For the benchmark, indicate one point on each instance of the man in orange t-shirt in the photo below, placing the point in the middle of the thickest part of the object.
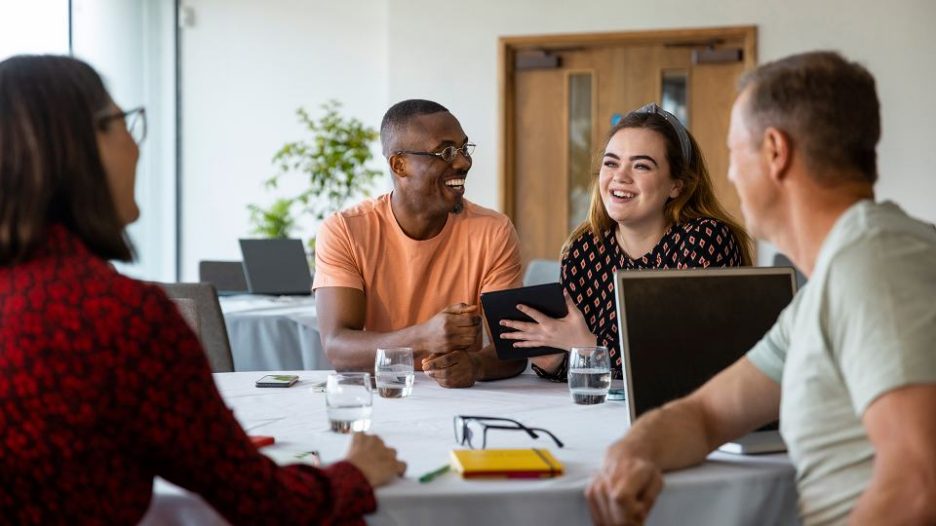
(407, 269)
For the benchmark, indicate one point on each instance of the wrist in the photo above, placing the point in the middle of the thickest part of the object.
(419, 340)
(476, 365)
(585, 340)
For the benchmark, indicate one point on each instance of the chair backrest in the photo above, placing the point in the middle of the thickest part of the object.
(780, 260)
(226, 276)
(540, 271)
(209, 324)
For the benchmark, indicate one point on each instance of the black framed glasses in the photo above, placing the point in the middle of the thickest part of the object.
(134, 119)
(472, 430)
(447, 154)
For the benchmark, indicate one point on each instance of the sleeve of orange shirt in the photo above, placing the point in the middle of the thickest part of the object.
(504, 271)
(335, 264)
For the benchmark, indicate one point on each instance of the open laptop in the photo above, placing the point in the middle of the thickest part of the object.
(678, 328)
(276, 266)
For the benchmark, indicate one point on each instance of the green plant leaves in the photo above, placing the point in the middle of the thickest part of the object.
(332, 160)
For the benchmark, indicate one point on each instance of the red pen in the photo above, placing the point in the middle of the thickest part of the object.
(260, 441)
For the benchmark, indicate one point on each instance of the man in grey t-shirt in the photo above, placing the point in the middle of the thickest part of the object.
(850, 366)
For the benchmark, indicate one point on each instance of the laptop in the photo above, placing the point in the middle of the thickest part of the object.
(679, 328)
(276, 266)
(226, 276)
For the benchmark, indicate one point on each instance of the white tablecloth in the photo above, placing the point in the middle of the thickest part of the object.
(269, 333)
(725, 490)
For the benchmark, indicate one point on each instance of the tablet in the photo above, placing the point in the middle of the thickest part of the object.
(502, 305)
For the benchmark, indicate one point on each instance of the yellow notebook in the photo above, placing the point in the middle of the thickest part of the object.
(506, 463)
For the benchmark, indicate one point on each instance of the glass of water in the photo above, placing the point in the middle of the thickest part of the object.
(589, 375)
(349, 399)
(394, 371)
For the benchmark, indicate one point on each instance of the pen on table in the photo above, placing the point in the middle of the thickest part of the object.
(429, 477)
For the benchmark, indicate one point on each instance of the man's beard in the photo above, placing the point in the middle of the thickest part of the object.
(459, 206)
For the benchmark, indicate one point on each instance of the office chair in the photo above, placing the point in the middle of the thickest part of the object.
(198, 304)
(540, 271)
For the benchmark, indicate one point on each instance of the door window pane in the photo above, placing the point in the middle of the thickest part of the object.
(675, 94)
(579, 146)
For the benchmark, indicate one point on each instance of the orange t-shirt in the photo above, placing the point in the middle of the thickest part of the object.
(407, 281)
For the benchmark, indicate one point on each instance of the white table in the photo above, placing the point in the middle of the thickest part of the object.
(725, 490)
(269, 333)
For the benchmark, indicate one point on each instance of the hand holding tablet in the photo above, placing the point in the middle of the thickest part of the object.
(543, 317)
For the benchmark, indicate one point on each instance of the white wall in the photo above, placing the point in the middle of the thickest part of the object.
(246, 67)
(451, 57)
(38, 26)
(131, 44)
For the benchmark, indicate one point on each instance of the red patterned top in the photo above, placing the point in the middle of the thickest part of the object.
(588, 273)
(103, 386)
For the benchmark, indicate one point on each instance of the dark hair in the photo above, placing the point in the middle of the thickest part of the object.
(399, 114)
(695, 200)
(50, 169)
(828, 106)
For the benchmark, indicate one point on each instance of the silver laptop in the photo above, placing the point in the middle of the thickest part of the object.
(276, 266)
(678, 328)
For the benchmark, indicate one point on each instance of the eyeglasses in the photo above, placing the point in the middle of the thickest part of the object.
(447, 154)
(468, 429)
(135, 120)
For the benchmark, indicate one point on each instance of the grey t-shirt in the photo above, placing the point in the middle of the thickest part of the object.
(865, 324)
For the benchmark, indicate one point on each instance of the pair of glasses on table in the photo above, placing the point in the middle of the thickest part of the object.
(472, 431)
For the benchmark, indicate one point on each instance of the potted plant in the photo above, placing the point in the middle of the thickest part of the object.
(333, 160)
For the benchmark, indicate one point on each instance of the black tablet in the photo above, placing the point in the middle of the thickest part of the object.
(502, 304)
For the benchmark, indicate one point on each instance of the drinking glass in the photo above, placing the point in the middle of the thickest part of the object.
(394, 371)
(589, 375)
(349, 398)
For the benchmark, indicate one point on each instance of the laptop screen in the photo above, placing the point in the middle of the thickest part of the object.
(679, 328)
(276, 266)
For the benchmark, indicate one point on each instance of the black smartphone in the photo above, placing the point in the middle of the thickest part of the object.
(277, 380)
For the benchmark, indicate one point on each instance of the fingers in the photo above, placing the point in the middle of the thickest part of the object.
(598, 506)
(460, 308)
(570, 305)
(650, 495)
(530, 343)
(441, 361)
(400, 468)
(451, 370)
(537, 316)
(522, 326)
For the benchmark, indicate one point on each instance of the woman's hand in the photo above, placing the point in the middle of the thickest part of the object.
(561, 333)
(377, 462)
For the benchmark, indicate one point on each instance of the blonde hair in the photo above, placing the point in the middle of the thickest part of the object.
(695, 200)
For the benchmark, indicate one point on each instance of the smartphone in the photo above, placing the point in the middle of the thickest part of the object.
(277, 380)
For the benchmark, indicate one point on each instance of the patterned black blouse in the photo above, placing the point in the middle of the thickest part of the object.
(588, 273)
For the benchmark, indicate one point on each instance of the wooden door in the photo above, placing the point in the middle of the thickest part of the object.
(547, 172)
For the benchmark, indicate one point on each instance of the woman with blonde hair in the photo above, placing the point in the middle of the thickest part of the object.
(652, 207)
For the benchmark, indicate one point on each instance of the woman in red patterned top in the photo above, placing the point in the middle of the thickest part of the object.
(103, 384)
(652, 207)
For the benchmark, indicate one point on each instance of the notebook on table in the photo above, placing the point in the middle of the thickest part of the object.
(679, 328)
(506, 463)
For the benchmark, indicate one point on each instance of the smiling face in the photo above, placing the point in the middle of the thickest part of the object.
(634, 179)
(435, 185)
